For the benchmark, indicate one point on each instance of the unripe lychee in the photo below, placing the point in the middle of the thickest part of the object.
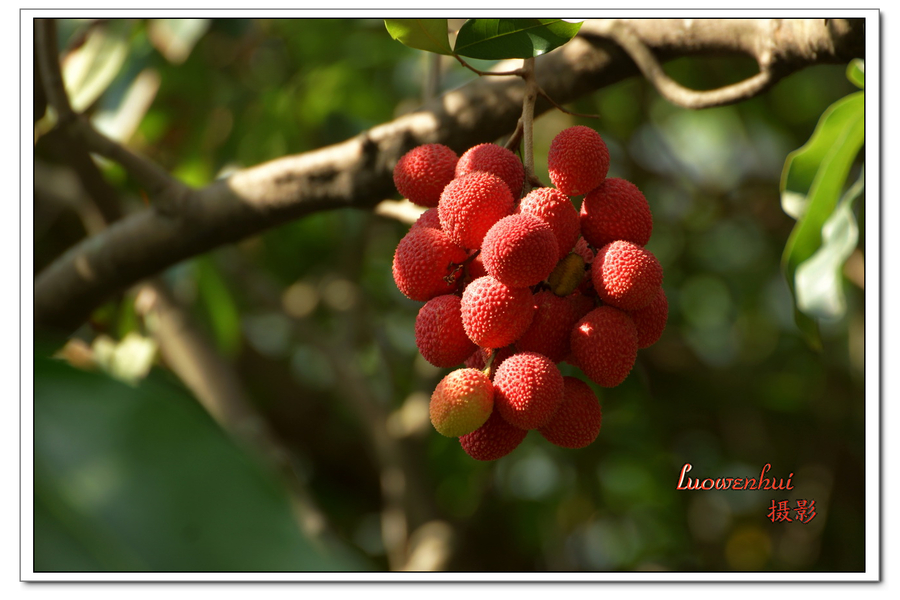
(605, 345)
(567, 275)
(626, 275)
(577, 420)
(495, 159)
(528, 388)
(421, 174)
(551, 327)
(426, 264)
(557, 210)
(616, 210)
(495, 439)
(440, 336)
(651, 320)
(519, 250)
(461, 402)
(495, 315)
(578, 160)
(471, 204)
(429, 218)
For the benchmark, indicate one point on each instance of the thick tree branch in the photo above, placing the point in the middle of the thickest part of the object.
(357, 173)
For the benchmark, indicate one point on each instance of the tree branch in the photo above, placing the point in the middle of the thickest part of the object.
(358, 173)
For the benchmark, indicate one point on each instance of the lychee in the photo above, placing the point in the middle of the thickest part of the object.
(616, 210)
(429, 218)
(557, 210)
(519, 250)
(578, 160)
(651, 320)
(626, 275)
(528, 388)
(440, 336)
(495, 159)
(577, 420)
(495, 439)
(461, 402)
(426, 264)
(421, 174)
(604, 345)
(471, 204)
(554, 318)
(495, 315)
(479, 359)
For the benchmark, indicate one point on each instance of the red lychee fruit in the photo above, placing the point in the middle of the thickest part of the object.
(479, 358)
(421, 174)
(604, 345)
(461, 402)
(550, 330)
(440, 336)
(584, 251)
(495, 315)
(528, 388)
(626, 275)
(577, 420)
(429, 218)
(519, 250)
(651, 320)
(426, 264)
(495, 159)
(471, 204)
(495, 439)
(616, 210)
(557, 210)
(578, 160)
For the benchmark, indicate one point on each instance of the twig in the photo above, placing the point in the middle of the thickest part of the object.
(516, 72)
(527, 120)
(622, 33)
(563, 109)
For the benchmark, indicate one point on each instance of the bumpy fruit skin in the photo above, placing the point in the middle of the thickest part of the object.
(604, 345)
(461, 402)
(425, 264)
(577, 420)
(616, 210)
(421, 174)
(429, 218)
(551, 327)
(528, 388)
(495, 439)
(626, 275)
(519, 250)
(578, 160)
(440, 336)
(557, 210)
(584, 251)
(495, 315)
(470, 205)
(651, 320)
(479, 358)
(495, 159)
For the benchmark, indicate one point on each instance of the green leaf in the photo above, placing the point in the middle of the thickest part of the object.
(856, 72)
(223, 313)
(495, 39)
(422, 34)
(824, 162)
(819, 280)
(141, 479)
(803, 165)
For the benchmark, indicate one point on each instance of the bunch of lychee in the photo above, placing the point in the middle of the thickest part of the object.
(515, 285)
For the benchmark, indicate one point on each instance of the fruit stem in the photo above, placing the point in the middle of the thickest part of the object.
(531, 93)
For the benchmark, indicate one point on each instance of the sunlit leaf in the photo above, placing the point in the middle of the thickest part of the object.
(90, 69)
(494, 39)
(827, 168)
(803, 165)
(819, 280)
(856, 72)
(175, 38)
(422, 34)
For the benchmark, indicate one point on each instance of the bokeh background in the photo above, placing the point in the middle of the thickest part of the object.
(305, 324)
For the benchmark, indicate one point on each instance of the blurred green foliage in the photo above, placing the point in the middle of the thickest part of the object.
(309, 318)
